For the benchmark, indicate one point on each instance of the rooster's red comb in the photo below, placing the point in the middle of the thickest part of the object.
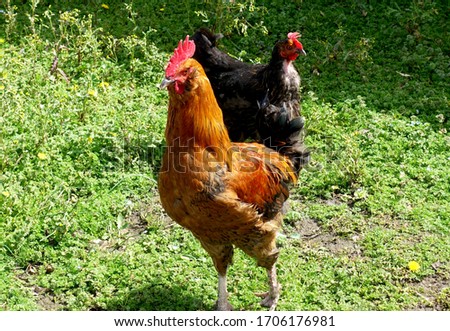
(184, 51)
(294, 37)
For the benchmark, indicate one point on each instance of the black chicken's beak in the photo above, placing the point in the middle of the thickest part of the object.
(301, 52)
(166, 82)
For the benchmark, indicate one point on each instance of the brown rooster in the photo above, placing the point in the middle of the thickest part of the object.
(227, 194)
(260, 102)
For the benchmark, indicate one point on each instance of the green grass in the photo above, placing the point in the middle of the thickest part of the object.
(81, 227)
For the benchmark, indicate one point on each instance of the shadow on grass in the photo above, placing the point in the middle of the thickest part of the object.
(158, 297)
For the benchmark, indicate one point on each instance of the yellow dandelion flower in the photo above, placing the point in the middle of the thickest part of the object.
(6, 194)
(2, 40)
(103, 85)
(162, 9)
(413, 266)
(42, 156)
(92, 93)
(2, 87)
(90, 140)
(104, 5)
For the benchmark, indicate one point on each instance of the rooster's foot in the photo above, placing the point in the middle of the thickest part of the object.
(270, 299)
(223, 306)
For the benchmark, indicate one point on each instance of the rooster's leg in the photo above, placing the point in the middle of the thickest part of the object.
(270, 299)
(222, 256)
(222, 302)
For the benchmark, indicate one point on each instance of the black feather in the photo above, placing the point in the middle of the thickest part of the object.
(260, 102)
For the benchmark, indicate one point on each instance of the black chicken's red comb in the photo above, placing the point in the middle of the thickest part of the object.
(184, 51)
(294, 37)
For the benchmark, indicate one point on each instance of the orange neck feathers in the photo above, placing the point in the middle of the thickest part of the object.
(195, 119)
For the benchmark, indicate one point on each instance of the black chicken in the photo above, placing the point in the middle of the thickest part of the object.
(259, 101)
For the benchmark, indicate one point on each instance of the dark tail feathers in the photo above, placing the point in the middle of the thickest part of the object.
(210, 56)
(205, 42)
(279, 131)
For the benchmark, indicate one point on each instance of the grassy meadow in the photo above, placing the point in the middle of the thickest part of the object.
(82, 133)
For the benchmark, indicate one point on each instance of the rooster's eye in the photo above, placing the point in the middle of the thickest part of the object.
(289, 47)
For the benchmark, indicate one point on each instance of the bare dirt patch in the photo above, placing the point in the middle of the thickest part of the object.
(313, 237)
(434, 289)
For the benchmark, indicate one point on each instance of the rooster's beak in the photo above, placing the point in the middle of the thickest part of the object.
(301, 52)
(166, 82)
